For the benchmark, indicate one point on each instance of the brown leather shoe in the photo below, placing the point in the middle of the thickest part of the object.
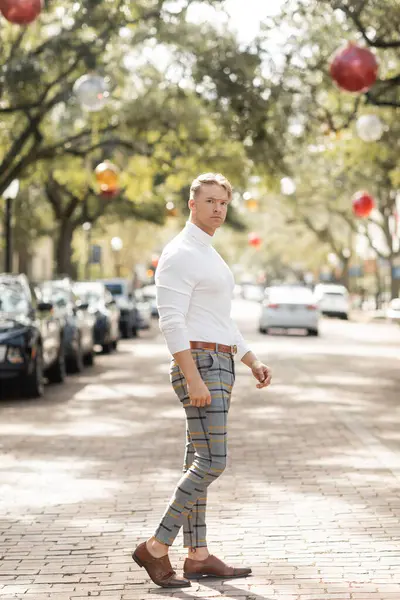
(158, 569)
(212, 567)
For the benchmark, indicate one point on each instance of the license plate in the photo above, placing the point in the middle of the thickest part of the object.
(3, 350)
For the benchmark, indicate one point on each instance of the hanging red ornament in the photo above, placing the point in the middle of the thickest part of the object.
(362, 204)
(154, 260)
(107, 176)
(254, 240)
(21, 12)
(354, 69)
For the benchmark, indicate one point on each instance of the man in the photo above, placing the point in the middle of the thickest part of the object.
(194, 292)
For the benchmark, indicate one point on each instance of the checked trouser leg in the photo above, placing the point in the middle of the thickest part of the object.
(194, 524)
(205, 461)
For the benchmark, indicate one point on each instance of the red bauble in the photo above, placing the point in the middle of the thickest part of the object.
(362, 203)
(354, 69)
(20, 12)
(254, 239)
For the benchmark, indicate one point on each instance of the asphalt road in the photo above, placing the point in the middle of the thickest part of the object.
(310, 498)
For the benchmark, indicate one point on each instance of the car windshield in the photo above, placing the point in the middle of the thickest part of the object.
(89, 295)
(116, 289)
(13, 299)
(56, 295)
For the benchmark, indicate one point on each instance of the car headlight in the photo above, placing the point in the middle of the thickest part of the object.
(14, 355)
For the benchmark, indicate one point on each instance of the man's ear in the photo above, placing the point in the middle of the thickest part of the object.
(191, 204)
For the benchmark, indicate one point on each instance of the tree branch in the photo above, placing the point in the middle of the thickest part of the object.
(377, 42)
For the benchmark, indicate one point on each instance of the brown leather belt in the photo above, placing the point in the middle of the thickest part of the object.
(214, 347)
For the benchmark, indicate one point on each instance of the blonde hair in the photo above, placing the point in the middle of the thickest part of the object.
(207, 179)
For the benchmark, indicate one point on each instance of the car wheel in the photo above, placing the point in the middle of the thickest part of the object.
(125, 331)
(75, 363)
(33, 384)
(313, 332)
(262, 330)
(88, 359)
(107, 347)
(56, 373)
(114, 344)
(134, 332)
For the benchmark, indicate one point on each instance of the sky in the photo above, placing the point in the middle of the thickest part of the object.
(245, 15)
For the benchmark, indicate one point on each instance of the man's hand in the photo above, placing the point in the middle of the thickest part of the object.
(199, 393)
(262, 373)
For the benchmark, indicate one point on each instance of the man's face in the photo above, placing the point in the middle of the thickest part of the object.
(210, 206)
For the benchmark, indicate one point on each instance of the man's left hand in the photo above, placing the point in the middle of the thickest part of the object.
(262, 373)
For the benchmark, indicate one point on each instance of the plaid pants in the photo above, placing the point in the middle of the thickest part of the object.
(206, 448)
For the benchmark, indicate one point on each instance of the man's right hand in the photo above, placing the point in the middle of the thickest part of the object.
(199, 393)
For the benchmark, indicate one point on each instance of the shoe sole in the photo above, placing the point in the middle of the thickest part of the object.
(141, 565)
(205, 576)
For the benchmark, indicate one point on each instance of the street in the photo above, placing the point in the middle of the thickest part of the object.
(310, 498)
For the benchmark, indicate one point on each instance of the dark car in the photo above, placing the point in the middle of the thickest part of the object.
(31, 343)
(101, 303)
(77, 322)
(128, 313)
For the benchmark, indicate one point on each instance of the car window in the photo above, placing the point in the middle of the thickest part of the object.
(13, 298)
(116, 289)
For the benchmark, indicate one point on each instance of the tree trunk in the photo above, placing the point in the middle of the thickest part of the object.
(64, 264)
(24, 261)
(344, 276)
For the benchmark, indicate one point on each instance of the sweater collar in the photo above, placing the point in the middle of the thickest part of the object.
(198, 234)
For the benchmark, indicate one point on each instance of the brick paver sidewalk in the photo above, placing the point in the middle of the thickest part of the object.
(310, 498)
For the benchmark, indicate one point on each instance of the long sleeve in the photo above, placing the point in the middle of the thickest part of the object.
(242, 346)
(174, 285)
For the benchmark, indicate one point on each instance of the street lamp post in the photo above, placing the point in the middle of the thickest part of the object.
(9, 195)
(87, 227)
(116, 246)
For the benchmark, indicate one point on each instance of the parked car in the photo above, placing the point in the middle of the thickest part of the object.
(121, 291)
(77, 321)
(143, 310)
(149, 295)
(393, 310)
(289, 307)
(31, 342)
(104, 307)
(333, 300)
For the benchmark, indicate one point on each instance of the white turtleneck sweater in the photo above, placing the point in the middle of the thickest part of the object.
(194, 293)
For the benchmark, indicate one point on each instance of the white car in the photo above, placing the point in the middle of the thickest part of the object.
(149, 294)
(333, 300)
(289, 307)
(393, 310)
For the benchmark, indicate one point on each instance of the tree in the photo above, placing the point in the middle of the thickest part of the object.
(174, 125)
(323, 153)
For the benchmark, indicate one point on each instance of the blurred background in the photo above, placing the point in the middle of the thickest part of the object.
(110, 108)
